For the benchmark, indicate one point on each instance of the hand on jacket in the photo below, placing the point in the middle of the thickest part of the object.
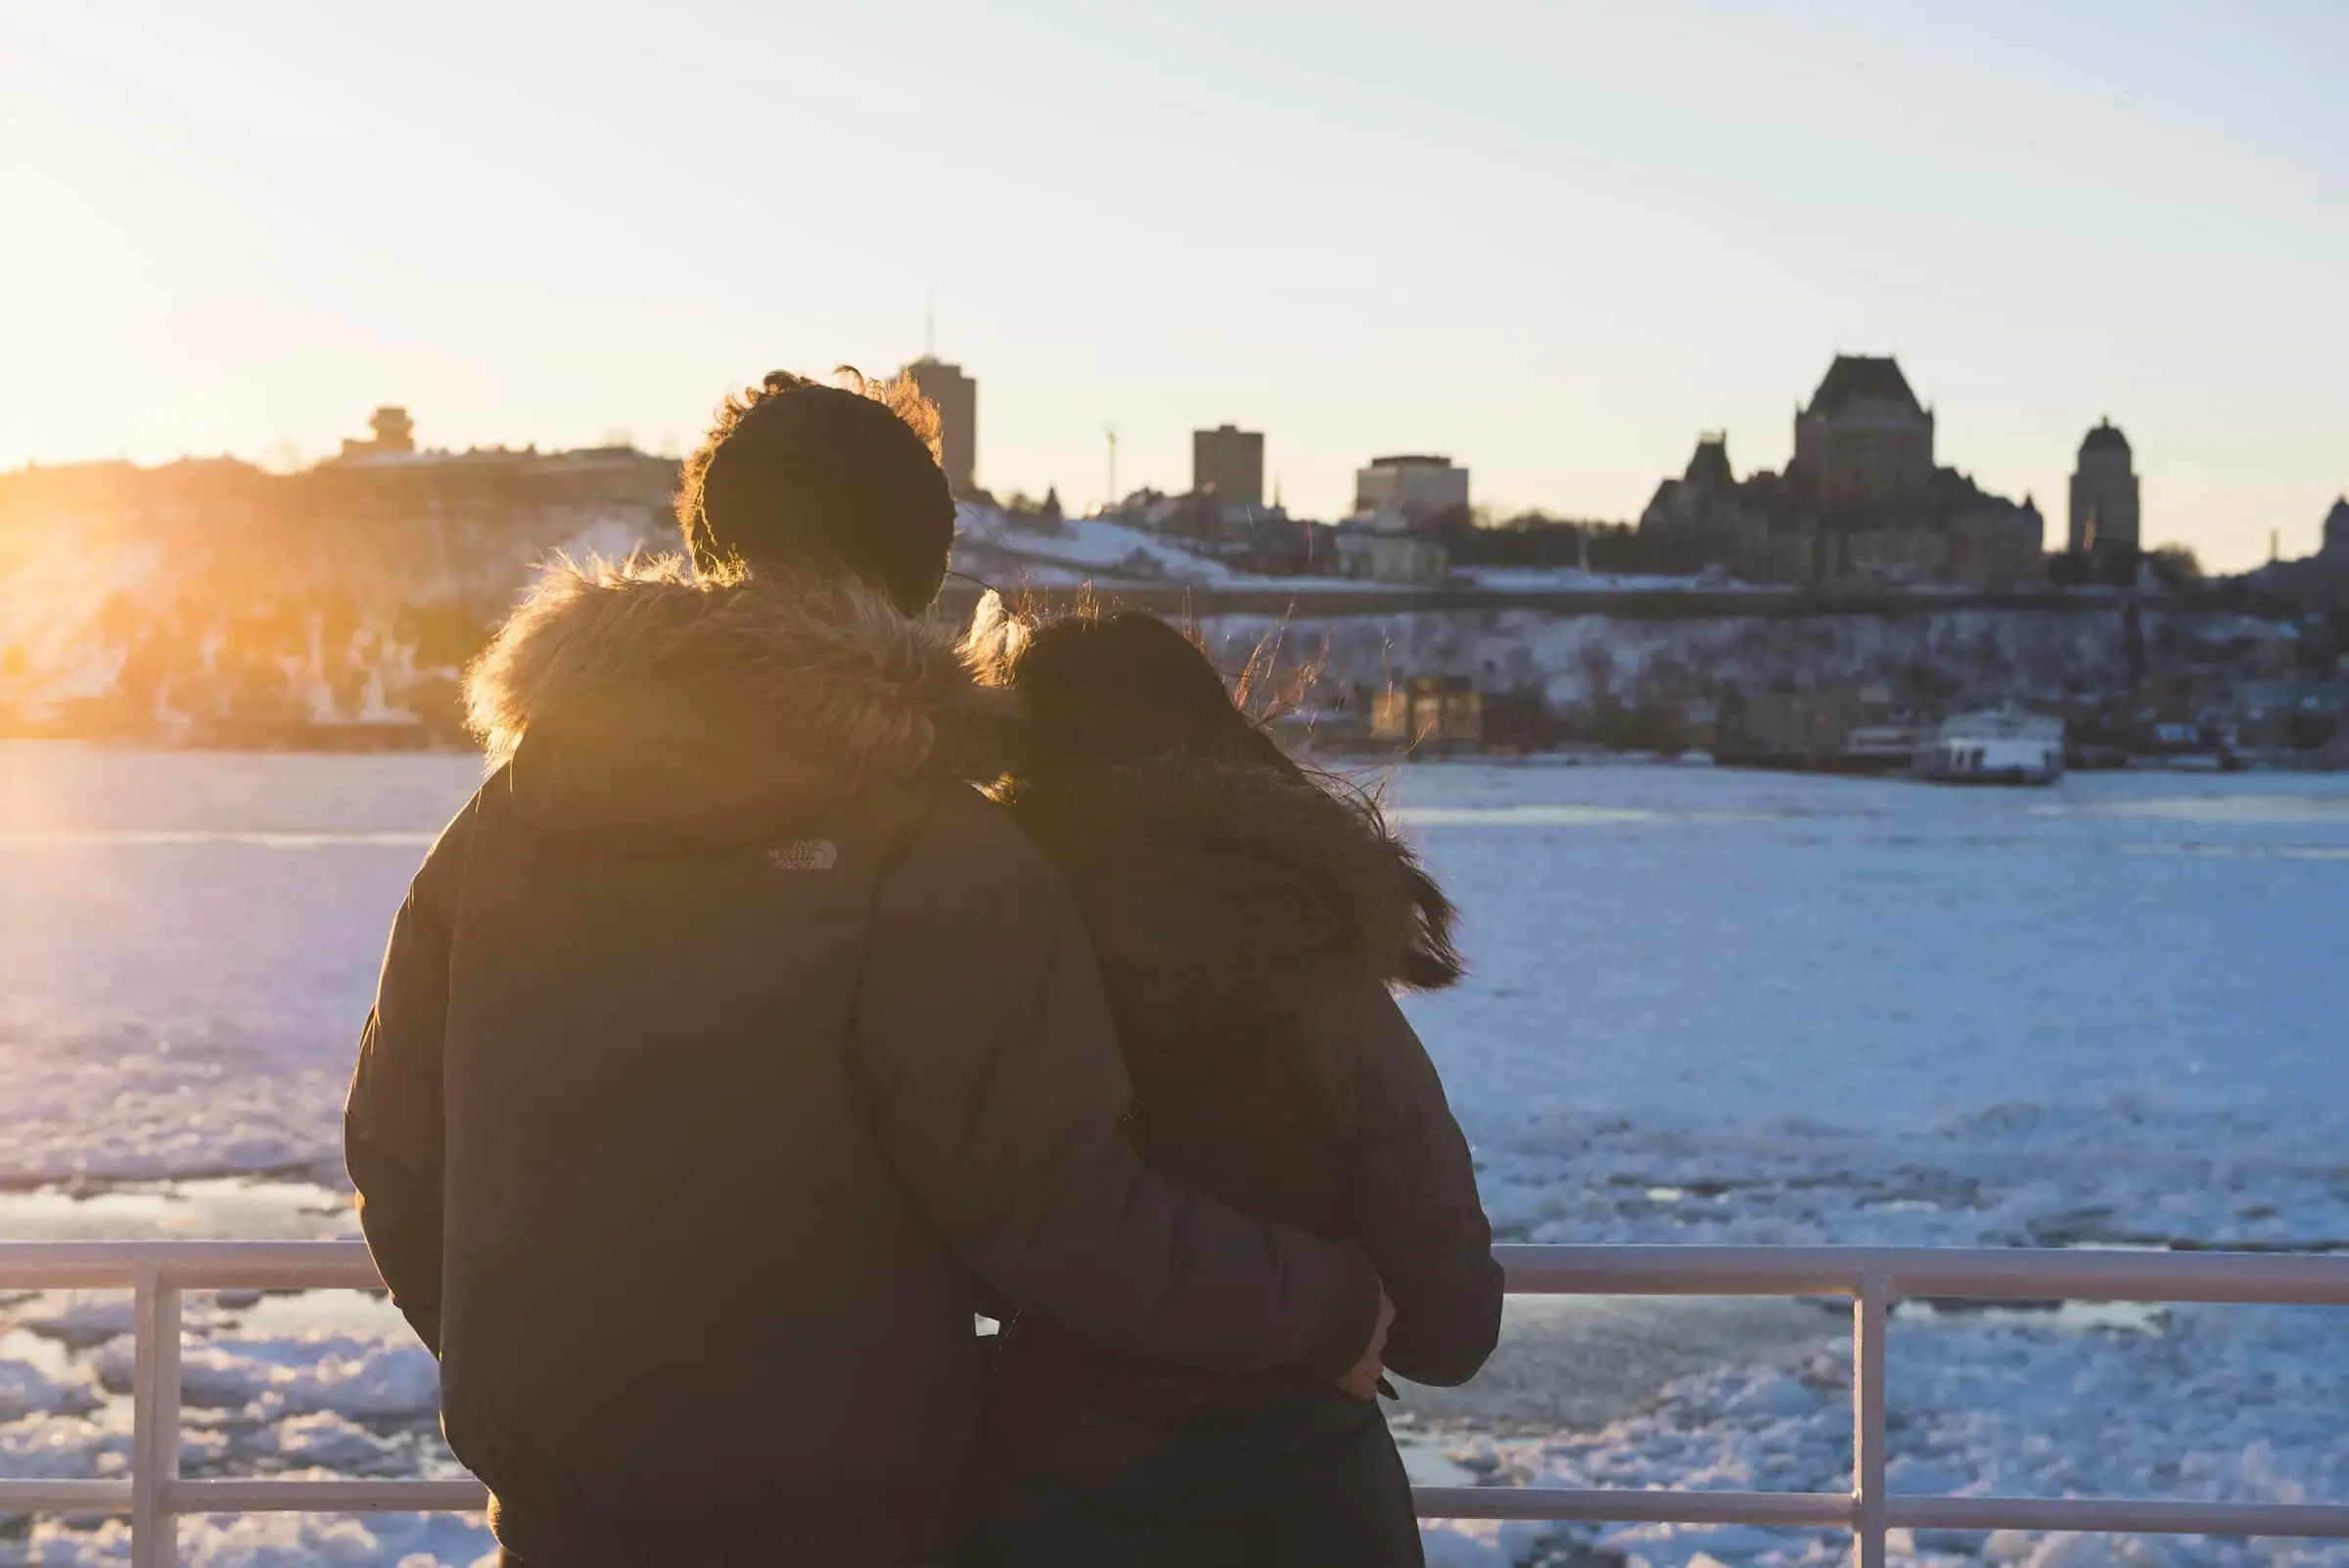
(1362, 1382)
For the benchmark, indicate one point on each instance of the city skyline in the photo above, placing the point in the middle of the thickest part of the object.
(1555, 247)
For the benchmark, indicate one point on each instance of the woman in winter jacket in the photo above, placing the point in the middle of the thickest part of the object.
(1249, 920)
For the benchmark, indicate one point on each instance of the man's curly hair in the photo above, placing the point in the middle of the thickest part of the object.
(898, 394)
(810, 475)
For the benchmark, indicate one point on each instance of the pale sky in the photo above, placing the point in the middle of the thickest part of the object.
(1553, 241)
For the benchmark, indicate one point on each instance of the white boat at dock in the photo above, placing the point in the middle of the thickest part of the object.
(2000, 747)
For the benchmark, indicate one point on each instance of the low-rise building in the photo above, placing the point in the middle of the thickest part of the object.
(1415, 487)
(1384, 548)
(1901, 550)
(1805, 728)
(391, 434)
(1430, 713)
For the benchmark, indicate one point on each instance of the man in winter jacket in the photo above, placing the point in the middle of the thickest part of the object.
(729, 1050)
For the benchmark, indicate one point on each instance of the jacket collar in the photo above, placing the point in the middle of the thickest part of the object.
(828, 675)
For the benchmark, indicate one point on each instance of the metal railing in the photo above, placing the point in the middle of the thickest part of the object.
(154, 1493)
(1874, 1277)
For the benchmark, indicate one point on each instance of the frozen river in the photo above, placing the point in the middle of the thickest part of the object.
(1850, 1010)
(1707, 1006)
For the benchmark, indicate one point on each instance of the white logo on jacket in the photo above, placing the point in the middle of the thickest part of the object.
(805, 855)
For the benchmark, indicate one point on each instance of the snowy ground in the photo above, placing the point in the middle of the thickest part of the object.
(1708, 1007)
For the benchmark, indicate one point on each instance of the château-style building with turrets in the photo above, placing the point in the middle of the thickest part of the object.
(1862, 498)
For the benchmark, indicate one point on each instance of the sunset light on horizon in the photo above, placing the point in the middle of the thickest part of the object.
(1554, 243)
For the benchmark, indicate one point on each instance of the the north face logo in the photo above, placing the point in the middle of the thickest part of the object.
(805, 855)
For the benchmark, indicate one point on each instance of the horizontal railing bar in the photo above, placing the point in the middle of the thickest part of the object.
(1624, 1506)
(65, 1497)
(188, 1265)
(317, 1496)
(1978, 1273)
(1798, 1509)
(267, 1495)
(1837, 1510)
(2133, 1516)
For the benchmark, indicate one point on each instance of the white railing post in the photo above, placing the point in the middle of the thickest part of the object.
(154, 1425)
(1870, 1506)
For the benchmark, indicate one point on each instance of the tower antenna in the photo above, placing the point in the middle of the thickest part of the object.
(1111, 431)
(930, 330)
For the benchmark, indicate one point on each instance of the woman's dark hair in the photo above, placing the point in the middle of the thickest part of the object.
(1105, 690)
(1108, 690)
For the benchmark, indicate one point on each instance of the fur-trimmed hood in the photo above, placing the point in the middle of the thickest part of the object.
(752, 686)
(1240, 876)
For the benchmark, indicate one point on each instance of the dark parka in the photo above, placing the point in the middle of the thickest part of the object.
(728, 1051)
(1249, 925)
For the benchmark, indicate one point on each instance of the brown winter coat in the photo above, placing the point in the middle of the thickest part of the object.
(1248, 924)
(728, 1051)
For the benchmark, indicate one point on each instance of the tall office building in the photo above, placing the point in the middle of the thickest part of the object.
(1230, 462)
(955, 396)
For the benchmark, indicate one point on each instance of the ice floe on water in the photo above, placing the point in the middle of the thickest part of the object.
(2208, 1405)
(377, 1377)
(26, 1390)
(133, 1102)
(1707, 1007)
